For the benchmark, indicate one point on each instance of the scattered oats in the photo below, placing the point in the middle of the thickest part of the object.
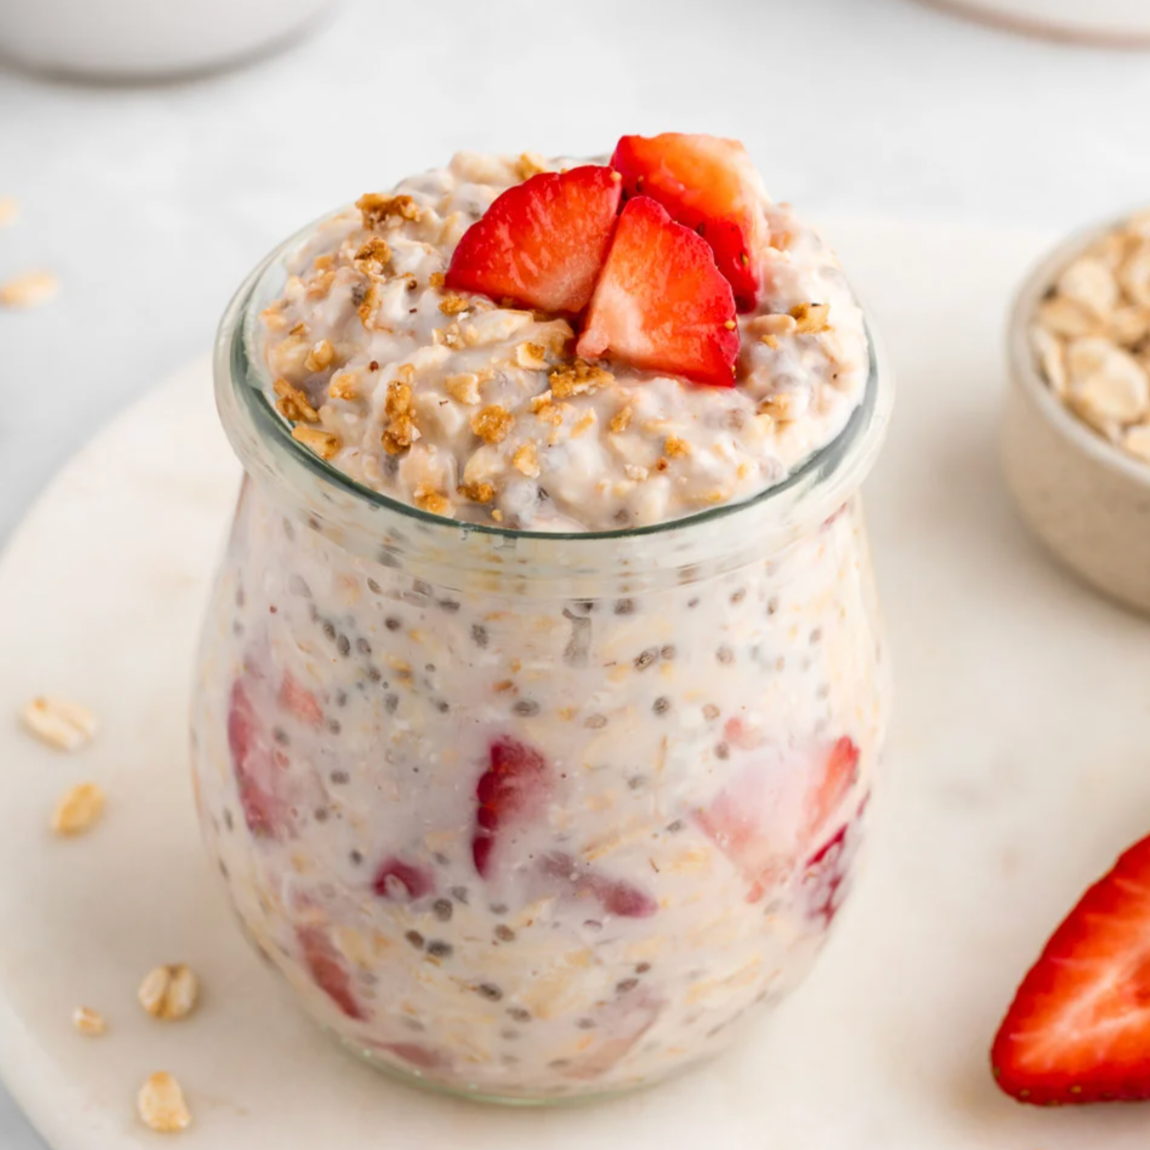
(463, 388)
(454, 304)
(477, 492)
(373, 256)
(586, 422)
(161, 1105)
(377, 209)
(526, 461)
(1129, 325)
(1137, 442)
(676, 448)
(323, 443)
(529, 164)
(401, 431)
(1134, 274)
(273, 318)
(811, 318)
(77, 809)
(1090, 283)
(1107, 385)
(579, 378)
(531, 356)
(292, 404)
(782, 406)
(9, 210)
(368, 306)
(435, 502)
(28, 290)
(321, 285)
(1051, 359)
(59, 723)
(621, 420)
(323, 263)
(169, 992)
(492, 423)
(88, 1021)
(344, 386)
(437, 279)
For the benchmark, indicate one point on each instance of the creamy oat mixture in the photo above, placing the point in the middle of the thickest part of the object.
(1091, 337)
(482, 413)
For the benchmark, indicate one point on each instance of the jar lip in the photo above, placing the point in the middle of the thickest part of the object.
(235, 364)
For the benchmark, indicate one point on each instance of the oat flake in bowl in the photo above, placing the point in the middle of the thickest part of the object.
(543, 687)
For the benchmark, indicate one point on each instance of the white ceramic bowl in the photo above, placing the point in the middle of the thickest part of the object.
(1111, 21)
(147, 39)
(1084, 497)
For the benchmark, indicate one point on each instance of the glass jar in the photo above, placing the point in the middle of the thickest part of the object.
(530, 816)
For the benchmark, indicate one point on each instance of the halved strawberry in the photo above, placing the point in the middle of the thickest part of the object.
(326, 967)
(839, 774)
(1079, 1027)
(709, 186)
(515, 786)
(398, 880)
(660, 303)
(733, 822)
(613, 895)
(542, 242)
(258, 767)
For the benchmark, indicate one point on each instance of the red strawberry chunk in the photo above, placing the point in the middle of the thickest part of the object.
(401, 881)
(514, 788)
(733, 822)
(1079, 1027)
(660, 303)
(257, 766)
(542, 242)
(298, 700)
(708, 185)
(421, 1057)
(325, 965)
(612, 894)
(839, 775)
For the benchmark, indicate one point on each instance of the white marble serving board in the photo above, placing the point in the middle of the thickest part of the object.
(1017, 771)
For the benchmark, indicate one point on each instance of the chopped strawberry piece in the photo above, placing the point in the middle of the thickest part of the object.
(1079, 1027)
(514, 788)
(398, 880)
(660, 303)
(733, 822)
(257, 767)
(839, 775)
(708, 185)
(326, 967)
(421, 1057)
(542, 242)
(613, 895)
(300, 701)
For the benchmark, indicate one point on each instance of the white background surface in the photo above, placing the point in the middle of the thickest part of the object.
(150, 203)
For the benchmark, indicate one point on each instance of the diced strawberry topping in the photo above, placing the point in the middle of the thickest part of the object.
(660, 303)
(326, 967)
(613, 895)
(257, 767)
(401, 881)
(542, 242)
(514, 788)
(839, 775)
(708, 185)
(1079, 1027)
(733, 822)
(300, 701)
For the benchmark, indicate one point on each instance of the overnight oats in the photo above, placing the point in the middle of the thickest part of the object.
(543, 684)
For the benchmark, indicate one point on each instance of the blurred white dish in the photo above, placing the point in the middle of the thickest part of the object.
(1114, 21)
(146, 39)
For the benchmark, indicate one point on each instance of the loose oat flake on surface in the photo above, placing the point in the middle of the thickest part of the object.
(9, 210)
(78, 809)
(161, 1104)
(61, 724)
(28, 290)
(169, 992)
(88, 1021)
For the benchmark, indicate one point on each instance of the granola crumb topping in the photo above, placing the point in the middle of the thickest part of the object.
(676, 448)
(578, 378)
(379, 209)
(292, 404)
(323, 443)
(621, 420)
(78, 809)
(430, 500)
(526, 460)
(62, 724)
(161, 1104)
(454, 304)
(463, 388)
(492, 423)
(811, 318)
(401, 431)
(531, 356)
(477, 492)
(373, 256)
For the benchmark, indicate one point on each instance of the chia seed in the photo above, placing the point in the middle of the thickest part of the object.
(415, 938)
(479, 634)
(391, 704)
(526, 708)
(459, 893)
(448, 605)
(343, 645)
(646, 658)
(489, 991)
(642, 968)
(772, 606)
(675, 827)
(586, 1024)
(340, 778)
(668, 652)
(661, 705)
(519, 1014)
(334, 726)
(374, 674)
(710, 712)
(739, 595)
(321, 814)
(437, 948)
(627, 985)
(341, 698)
(442, 909)
(363, 646)
(281, 736)
(595, 722)
(722, 751)
(624, 606)
(725, 655)
(637, 782)
(504, 933)
(328, 631)
(443, 707)
(392, 623)
(693, 603)
(374, 587)
(356, 858)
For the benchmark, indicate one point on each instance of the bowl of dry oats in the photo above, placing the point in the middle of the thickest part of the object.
(1076, 432)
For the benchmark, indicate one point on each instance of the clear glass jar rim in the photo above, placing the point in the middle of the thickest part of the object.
(847, 457)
